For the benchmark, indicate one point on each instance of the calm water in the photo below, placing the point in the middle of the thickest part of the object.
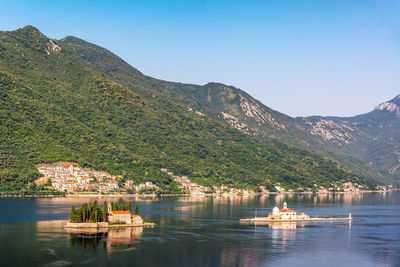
(206, 232)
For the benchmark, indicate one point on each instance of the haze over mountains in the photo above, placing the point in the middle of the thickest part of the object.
(71, 100)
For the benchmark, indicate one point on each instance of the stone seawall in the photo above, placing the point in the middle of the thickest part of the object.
(99, 225)
(86, 225)
(266, 219)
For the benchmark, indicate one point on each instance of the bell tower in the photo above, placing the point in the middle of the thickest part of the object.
(284, 205)
(109, 211)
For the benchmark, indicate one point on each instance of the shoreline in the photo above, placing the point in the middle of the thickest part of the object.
(29, 196)
(6, 195)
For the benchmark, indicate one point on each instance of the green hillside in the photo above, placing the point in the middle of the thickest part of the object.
(54, 106)
(223, 103)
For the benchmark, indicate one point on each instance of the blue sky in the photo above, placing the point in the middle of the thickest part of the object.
(298, 57)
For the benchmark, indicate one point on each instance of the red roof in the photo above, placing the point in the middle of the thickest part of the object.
(286, 210)
(121, 212)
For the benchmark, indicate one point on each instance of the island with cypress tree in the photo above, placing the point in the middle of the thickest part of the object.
(112, 214)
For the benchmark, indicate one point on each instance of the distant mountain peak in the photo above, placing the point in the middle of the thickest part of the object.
(395, 100)
(29, 30)
(32, 38)
(390, 106)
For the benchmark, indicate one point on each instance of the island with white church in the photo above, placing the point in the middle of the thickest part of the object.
(289, 215)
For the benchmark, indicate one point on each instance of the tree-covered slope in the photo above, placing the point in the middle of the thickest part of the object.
(226, 104)
(56, 107)
(373, 137)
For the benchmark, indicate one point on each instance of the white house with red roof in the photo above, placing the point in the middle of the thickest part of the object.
(69, 168)
(69, 185)
(79, 172)
(112, 186)
(122, 216)
(128, 183)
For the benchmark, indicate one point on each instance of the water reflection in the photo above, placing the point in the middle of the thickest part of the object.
(283, 234)
(282, 225)
(264, 201)
(108, 239)
(124, 236)
(91, 238)
(276, 225)
(205, 231)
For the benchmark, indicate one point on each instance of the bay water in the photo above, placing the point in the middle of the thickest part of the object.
(205, 231)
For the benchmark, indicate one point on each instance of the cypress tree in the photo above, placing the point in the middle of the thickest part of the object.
(129, 206)
(90, 211)
(72, 214)
(136, 209)
(85, 209)
(78, 216)
(99, 215)
(95, 211)
(104, 212)
(91, 214)
(114, 206)
(83, 212)
(121, 206)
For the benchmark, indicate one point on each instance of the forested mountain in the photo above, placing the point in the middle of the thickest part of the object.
(373, 137)
(366, 144)
(67, 100)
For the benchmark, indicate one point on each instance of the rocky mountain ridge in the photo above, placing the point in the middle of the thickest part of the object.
(363, 143)
(390, 106)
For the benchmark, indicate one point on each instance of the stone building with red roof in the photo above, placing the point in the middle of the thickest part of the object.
(122, 216)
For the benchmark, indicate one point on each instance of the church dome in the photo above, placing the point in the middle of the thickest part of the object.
(275, 210)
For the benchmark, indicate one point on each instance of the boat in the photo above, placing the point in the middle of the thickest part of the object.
(289, 215)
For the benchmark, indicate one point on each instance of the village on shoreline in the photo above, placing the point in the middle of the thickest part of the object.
(68, 178)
